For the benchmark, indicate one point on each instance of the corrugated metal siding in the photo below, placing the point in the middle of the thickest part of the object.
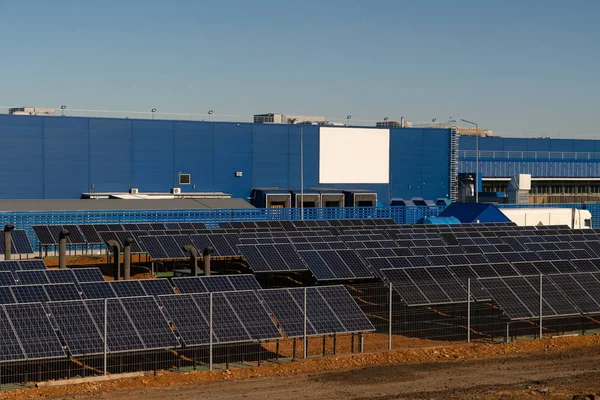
(71, 155)
(193, 153)
(506, 157)
(153, 164)
(66, 162)
(22, 158)
(110, 154)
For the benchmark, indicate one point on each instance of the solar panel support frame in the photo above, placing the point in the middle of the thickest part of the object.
(468, 310)
(105, 335)
(210, 332)
(390, 317)
(304, 319)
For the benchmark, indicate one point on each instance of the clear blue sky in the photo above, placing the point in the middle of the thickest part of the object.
(513, 66)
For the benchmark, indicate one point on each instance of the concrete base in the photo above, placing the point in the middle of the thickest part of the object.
(101, 378)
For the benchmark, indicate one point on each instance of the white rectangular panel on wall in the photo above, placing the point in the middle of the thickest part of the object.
(354, 155)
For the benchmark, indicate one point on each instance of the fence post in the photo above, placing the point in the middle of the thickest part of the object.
(105, 333)
(390, 319)
(541, 307)
(468, 310)
(210, 330)
(304, 339)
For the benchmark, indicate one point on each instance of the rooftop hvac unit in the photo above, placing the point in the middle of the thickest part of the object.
(176, 190)
(134, 191)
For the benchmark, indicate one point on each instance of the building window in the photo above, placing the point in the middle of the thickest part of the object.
(185, 179)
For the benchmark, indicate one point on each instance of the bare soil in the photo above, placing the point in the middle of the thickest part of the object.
(544, 369)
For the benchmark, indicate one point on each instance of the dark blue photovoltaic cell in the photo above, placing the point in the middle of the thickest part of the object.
(6, 296)
(35, 277)
(77, 327)
(157, 287)
(189, 285)
(26, 265)
(62, 292)
(253, 315)
(345, 308)
(88, 275)
(244, 282)
(29, 293)
(121, 334)
(60, 276)
(35, 333)
(227, 327)
(127, 288)
(150, 322)
(9, 344)
(185, 315)
(217, 283)
(97, 290)
(7, 278)
(320, 315)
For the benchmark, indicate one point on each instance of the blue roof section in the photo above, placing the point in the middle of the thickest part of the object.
(431, 220)
(468, 213)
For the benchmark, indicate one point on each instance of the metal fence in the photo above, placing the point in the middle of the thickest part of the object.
(397, 326)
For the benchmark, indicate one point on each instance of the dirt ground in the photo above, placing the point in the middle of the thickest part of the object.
(559, 368)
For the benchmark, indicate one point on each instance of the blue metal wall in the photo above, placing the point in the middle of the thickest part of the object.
(62, 157)
(506, 157)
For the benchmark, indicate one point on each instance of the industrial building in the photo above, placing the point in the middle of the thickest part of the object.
(72, 157)
(562, 170)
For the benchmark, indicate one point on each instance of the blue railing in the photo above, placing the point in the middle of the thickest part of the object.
(401, 215)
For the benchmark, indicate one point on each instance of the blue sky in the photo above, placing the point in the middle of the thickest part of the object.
(513, 66)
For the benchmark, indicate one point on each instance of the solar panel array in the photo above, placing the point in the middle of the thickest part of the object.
(34, 330)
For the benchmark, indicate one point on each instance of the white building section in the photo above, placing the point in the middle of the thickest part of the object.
(354, 155)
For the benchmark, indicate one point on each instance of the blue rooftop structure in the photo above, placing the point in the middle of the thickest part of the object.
(468, 213)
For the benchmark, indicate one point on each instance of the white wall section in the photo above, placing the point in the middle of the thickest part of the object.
(354, 155)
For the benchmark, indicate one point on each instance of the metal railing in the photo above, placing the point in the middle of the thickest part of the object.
(528, 155)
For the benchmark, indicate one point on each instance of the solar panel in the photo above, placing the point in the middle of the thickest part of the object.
(191, 325)
(7, 278)
(320, 315)
(88, 275)
(62, 291)
(171, 247)
(227, 327)
(253, 315)
(20, 243)
(27, 265)
(121, 335)
(288, 313)
(34, 277)
(77, 327)
(6, 296)
(129, 288)
(122, 238)
(272, 257)
(11, 266)
(506, 298)
(428, 286)
(60, 276)
(75, 236)
(34, 331)
(244, 282)
(90, 234)
(45, 237)
(153, 247)
(463, 273)
(97, 290)
(217, 283)
(345, 308)
(189, 285)
(10, 349)
(335, 264)
(410, 293)
(29, 293)
(149, 322)
(156, 287)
